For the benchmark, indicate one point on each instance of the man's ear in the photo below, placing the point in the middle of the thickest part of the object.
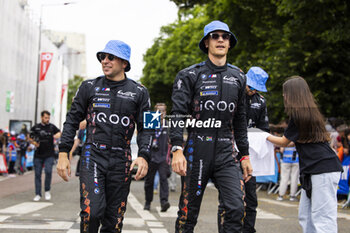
(125, 64)
(206, 43)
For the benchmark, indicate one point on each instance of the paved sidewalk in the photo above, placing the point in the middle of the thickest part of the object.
(21, 183)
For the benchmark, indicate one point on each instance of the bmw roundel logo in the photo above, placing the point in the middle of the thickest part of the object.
(203, 76)
(97, 190)
(198, 192)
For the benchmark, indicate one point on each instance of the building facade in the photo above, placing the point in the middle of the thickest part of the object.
(19, 51)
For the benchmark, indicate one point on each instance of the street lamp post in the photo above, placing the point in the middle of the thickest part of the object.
(39, 57)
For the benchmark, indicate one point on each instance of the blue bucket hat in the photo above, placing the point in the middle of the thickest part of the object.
(215, 26)
(256, 78)
(119, 49)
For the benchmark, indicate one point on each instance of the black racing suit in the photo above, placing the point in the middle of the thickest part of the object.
(257, 112)
(112, 109)
(256, 118)
(210, 93)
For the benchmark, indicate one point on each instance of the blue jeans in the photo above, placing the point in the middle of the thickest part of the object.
(38, 166)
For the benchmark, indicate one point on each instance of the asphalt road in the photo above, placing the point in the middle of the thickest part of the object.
(18, 213)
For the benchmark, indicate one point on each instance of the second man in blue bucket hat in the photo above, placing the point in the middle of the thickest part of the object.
(113, 105)
(211, 91)
(256, 118)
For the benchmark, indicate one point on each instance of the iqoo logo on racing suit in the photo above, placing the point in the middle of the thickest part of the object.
(221, 106)
(102, 117)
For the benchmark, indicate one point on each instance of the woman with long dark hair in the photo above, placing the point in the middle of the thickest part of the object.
(319, 165)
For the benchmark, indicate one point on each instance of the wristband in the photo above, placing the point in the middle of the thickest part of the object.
(246, 157)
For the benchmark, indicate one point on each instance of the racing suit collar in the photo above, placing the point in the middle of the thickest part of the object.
(115, 83)
(214, 67)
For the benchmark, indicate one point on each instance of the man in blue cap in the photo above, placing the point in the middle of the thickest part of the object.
(256, 118)
(112, 106)
(211, 91)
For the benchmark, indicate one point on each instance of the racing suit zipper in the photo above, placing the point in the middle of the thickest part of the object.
(217, 115)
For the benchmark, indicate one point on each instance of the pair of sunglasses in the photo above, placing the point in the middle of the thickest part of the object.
(224, 36)
(102, 56)
(251, 88)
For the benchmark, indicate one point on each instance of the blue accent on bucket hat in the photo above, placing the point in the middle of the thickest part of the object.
(256, 78)
(216, 26)
(21, 137)
(119, 49)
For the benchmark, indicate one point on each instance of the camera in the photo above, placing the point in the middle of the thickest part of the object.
(155, 145)
(34, 136)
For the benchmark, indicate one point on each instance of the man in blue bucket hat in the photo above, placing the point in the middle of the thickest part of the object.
(256, 104)
(256, 118)
(213, 94)
(112, 105)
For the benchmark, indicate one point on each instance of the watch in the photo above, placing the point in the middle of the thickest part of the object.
(175, 148)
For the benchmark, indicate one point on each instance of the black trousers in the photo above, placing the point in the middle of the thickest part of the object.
(208, 160)
(163, 169)
(104, 187)
(251, 205)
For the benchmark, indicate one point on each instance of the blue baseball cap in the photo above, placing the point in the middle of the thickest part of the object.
(216, 26)
(256, 78)
(119, 49)
(21, 137)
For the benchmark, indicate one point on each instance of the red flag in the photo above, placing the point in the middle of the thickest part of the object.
(64, 88)
(45, 60)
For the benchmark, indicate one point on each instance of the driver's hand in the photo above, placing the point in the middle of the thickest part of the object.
(63, 166)
(142, 167)
(179, 163)
(247, 169)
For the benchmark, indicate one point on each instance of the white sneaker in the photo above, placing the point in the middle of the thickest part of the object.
(47, 196)
(279, 198)
(37, 198)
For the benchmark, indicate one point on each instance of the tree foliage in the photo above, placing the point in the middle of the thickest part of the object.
(73, 85)
(310, 38)
(173, 50)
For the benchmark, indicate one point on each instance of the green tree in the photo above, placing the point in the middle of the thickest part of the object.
(73, 85)
(310, 38)
(174, 50)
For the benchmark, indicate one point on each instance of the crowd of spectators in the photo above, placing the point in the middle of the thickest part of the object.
(16, 152)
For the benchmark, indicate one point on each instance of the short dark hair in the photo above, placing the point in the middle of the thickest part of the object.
(45, 112)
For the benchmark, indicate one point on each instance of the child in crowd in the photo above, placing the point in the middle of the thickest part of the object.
(289, 172)
(11, 154)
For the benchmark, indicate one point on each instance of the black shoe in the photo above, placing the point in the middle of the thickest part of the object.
(165, 207)
(147, 206)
